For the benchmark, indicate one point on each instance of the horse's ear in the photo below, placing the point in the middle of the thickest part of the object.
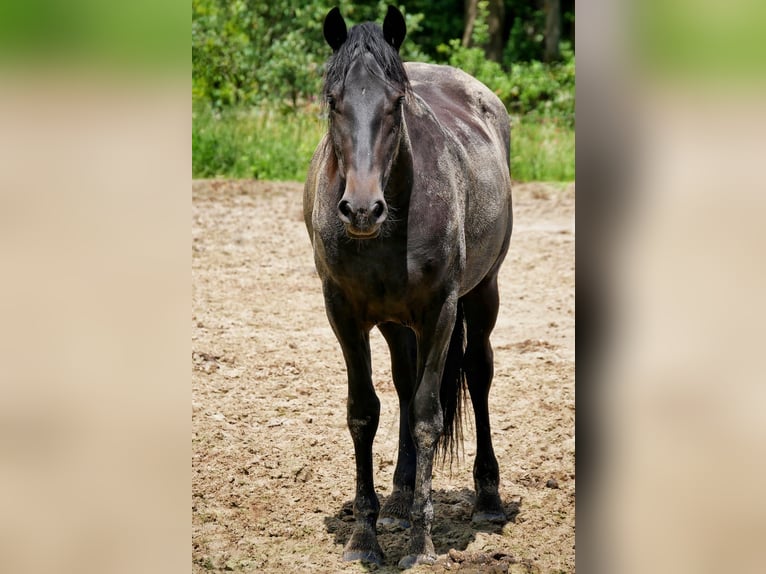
(335, 29)
(394, 28)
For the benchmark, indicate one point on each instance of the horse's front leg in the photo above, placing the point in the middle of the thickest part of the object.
(426, 424)
(362, 414)
(403, 347)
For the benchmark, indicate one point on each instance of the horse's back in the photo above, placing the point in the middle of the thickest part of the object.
(463, 105)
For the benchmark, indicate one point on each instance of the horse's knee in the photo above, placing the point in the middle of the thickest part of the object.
(426, 432)
(426, 420)
(363, 428)
(362, 418)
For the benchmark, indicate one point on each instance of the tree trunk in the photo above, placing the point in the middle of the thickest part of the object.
(552, 30)
(471, 8)
(496, 18)
(494, 48)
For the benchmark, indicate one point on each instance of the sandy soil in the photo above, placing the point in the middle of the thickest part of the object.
(272, 460)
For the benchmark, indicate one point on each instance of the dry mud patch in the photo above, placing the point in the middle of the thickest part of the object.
(272, 460)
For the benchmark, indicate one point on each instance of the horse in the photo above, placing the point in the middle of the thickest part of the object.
(407, 203)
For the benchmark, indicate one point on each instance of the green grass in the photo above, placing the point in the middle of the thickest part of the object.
(253, 143)
(542, 149)
(264, 143)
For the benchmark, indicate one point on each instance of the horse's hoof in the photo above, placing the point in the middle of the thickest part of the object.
(395, 514)
(489, 517)
(363, 546)
(414, 559)
(488, 509)
(393, 524)
(370, 556)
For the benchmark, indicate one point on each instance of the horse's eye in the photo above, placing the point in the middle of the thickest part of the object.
(331, 103)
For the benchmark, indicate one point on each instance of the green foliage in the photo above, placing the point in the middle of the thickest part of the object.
(245, 51)
(531, 89)
(438, 20)
(257, 72)
(542, 150)
(261, 143)
(249, 52)
(473, 61)
(527, 36)
(542, 90)
(266, 143)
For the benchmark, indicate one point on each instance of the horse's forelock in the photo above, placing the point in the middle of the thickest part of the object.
(367, 37)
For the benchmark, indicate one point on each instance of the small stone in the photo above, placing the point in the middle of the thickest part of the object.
(304, 474)
(456, 555)
(552, 483)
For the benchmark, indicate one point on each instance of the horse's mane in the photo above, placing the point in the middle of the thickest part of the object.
(367, 37)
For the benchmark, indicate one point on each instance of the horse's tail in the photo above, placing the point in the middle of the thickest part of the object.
(453, 390)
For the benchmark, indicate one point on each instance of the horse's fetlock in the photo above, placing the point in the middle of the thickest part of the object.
(366, 509)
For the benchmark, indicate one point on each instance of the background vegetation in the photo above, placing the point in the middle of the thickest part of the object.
(257, 72)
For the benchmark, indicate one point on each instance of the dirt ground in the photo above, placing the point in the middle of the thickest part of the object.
(272, 460)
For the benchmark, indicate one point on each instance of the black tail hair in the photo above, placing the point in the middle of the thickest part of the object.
(452, 391)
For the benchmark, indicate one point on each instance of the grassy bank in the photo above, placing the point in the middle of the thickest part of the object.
(542, 149)
(260, 143)
(265, 143)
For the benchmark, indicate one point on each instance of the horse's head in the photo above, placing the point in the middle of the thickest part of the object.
(365, 89)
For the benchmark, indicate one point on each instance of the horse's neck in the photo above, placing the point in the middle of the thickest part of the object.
(418, 110)
(402, 168)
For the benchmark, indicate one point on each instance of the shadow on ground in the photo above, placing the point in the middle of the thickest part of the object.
(452, 528)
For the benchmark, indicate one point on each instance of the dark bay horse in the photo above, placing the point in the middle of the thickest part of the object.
(408, 206)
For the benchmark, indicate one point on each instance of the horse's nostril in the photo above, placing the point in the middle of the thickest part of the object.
(345, 208)
(378, 208)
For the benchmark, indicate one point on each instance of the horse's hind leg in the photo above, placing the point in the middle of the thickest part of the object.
(480, 307)
(403, 348)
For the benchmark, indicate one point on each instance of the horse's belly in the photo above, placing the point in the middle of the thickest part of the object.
(486, 246)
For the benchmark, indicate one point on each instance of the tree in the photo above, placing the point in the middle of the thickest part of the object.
(494, 12)
(552, 30)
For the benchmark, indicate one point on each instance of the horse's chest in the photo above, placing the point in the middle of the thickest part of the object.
(385, 281)
(369, 272)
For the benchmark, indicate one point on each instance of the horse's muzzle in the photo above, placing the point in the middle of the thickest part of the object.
(362, 219)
